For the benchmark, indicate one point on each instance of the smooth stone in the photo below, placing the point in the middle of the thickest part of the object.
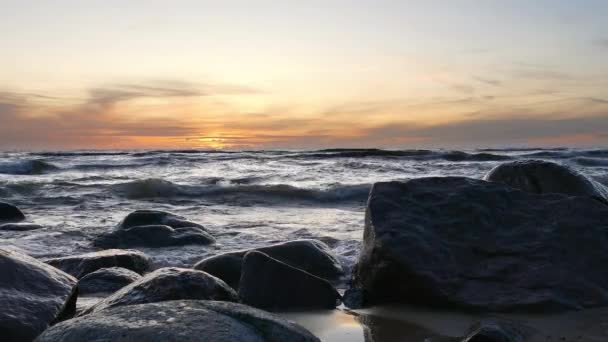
(83, 264)
(20, 226)
(154, 236)
(312, 256)
(106, 280)
(170, 283)
(153, 228)
(465, 243)
(179, 321)
(270, 284)
(10, 213)
(33, 295)
(541, 177)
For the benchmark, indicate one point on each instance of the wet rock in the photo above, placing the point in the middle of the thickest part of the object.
(184, 321)
(467, 243)
(10, 213)
(106, 280)
(274, 285)
(170, 283)
(151, 228)
(311, 256)
(354, 298)
(33, 295)
(20, 226)
(81, 265)
(541, 177)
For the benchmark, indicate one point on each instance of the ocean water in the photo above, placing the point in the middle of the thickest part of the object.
(246, 199)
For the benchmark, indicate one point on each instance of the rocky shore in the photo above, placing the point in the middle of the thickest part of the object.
(531, 237)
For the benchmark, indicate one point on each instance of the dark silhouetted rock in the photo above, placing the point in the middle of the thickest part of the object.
(33, 295)
(179, 321)
(170, 283)
(541, 177)
(20, 226)
(81, 265)
(10, 213)
(459, 242)
(151, 228)
(274, 285)
(311, 256)
(497, 331)
(106, 280)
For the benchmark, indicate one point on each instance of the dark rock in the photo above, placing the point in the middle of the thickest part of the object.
(20, 226)
(459, 242)
(33, 295)
(541, 177)
(311, 256)
(274, 285)
(183, 321)
(106, 280)
(497, 331)
(81, 265)
(170, 283)
(154, 236)
(151, 228)
(354, 298)
(10, 213)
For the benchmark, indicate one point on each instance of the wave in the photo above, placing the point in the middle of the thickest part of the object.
(591, 162)
(454, 156)
(80, 153)
(159, 188)
(27, 167)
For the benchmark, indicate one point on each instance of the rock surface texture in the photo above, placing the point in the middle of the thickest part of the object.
(151, 228)
(312, 256)
(33, 295)
(83, 264)
(106, 280)
(467, 243)
(179, 321)
(273, 285)
(541, 177)
(170, 283)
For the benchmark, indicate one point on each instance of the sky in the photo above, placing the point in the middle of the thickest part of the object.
(310, 74)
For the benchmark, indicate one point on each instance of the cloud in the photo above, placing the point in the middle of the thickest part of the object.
(489, 81)
(602, 42)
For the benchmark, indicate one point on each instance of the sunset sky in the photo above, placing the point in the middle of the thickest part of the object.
(303, 74)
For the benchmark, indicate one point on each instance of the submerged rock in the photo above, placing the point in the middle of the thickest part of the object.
(106, 280)
(183, 320)
(541, 177)
(311, 256)
(271, 284)
(497, 331)
(459, 242)
(151, 228)
(20, 226)
(10, 213)
(33, 295)
(170, 283)
(83, 264)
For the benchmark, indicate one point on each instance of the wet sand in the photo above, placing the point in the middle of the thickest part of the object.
(392, 324)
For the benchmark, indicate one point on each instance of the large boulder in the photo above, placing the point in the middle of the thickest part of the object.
(459, 242)
(312, 256)
(541, 177)
(151, 228)
(10, 213)
(33, 295)
(179, 321)
(106, 280)
(83, 264)
(170, 283)
(270, 284)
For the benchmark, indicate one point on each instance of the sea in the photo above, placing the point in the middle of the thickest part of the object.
(246, 199)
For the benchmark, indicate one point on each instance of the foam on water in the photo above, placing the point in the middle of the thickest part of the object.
(246, 199)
